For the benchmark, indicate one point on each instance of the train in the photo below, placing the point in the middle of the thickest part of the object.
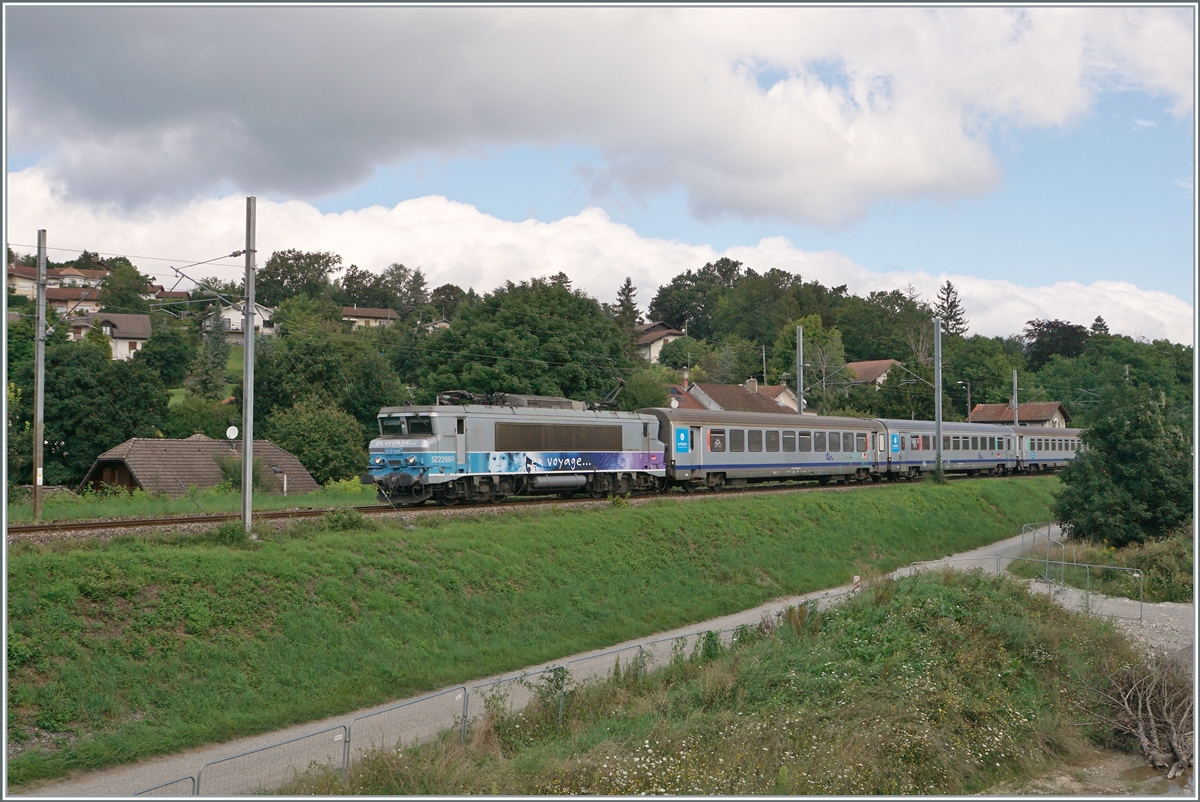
(485, 449)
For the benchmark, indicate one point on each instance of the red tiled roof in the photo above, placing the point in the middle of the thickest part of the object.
(1029, 412)
(736, 398)
(772, 390)
(72, 293)
(366, 311)
(162, 294)
(683, 399)
(870, 370)
(172, 466)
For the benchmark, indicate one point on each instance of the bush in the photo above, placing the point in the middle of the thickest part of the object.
(347, 520)
(326, 440)
(1133, 481)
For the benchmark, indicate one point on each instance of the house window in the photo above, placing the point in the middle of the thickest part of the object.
(132, 346)
(107, 329)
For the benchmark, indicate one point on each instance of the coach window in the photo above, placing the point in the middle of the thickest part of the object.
(737, 440)
(462, 425)
(819, 442)
(915, 443)
(755, 440)
(882, 442)
(945, 442)
(902, 440)
(954, 443)
(974, 443)
(926, 444)
(772, 441)
(847, 441)
(835, 441)
(860, 442)
(804, 442)
(789, 441)
(716, 439)
(991, 444)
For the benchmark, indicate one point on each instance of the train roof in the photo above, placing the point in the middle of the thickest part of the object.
(507, 411)
(776, 420)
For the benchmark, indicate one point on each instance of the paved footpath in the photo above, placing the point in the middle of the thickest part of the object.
(270, 769)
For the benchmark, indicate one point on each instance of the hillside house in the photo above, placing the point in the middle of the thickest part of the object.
(367, 316)
(127, 333)
(1031, 413)
(73, 300)
(652, 337)
(874, 371)
(233, 318)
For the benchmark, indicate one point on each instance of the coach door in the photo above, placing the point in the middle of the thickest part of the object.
(697, 450)
(460, 444)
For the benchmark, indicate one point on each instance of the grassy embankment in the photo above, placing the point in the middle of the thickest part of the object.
(138, 647)
(1165, 566)
(66, 507)
(940, 684)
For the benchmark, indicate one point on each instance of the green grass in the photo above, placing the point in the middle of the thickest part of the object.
(139, 647)
(945, 683)
(177, 394)
(64, 507)
(234, 364)
(1165, 566)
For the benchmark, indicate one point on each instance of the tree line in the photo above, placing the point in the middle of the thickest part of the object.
(319, 383)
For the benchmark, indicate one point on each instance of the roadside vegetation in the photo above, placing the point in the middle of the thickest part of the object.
(115, 502)
(142, 646)
(1165, 566)
(943, 683)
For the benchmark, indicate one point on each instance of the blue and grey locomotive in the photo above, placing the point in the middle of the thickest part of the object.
(527, 445)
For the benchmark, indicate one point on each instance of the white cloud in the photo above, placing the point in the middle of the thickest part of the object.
(134, 103)
(1145, 123)
(455, 243)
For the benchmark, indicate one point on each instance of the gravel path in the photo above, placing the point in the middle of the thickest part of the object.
(1167, 627)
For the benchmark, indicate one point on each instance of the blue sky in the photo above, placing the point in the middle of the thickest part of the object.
(1098, 199)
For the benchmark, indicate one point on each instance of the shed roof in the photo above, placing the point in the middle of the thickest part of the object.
(367, 311)
(736, 398)
(1029, 412)
(160, 465)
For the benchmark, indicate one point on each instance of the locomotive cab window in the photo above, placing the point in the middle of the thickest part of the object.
(420, 424)
(716, 439)
(789, 441)
(819, 441)
(737, 439)
(393, 426)
(772, 441)
(804, 442)
(756, 440)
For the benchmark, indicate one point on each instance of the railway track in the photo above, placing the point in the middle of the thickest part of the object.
(20, 531)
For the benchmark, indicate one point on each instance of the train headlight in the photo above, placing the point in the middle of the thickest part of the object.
(410, 461)
(379, 461)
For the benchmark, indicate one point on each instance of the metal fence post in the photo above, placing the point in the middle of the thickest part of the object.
(466, 707)
(346, 755)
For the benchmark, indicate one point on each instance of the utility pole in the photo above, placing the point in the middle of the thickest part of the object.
(937, 391)
(1014, 400)
(248, 373)
(968, 386)
(39, 376)
(800, 369)
(764, 352)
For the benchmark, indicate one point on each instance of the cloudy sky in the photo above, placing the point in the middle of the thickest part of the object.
(1042, 159)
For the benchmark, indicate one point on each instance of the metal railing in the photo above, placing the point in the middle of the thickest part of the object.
(1081, 574)
(184, 786)
(269, 767)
